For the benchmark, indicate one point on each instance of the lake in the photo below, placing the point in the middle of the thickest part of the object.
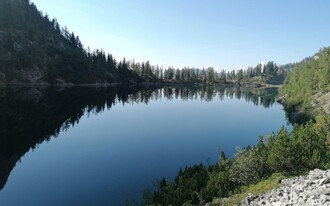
(103, 146)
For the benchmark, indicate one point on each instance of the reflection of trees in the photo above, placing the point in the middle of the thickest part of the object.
(31, 116)
(264, 97)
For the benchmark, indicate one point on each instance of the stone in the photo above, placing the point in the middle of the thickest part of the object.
(309, 190)
(325, 181)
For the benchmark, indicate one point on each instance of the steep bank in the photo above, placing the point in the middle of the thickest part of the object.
(321, 101)
(307, 87)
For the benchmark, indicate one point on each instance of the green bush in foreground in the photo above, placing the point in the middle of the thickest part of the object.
(288, 152)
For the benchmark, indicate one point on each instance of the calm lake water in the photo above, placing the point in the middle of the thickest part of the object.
(87, 146)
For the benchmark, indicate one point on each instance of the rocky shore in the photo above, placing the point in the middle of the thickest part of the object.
(312, 189)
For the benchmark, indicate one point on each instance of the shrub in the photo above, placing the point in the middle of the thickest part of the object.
(247, 166)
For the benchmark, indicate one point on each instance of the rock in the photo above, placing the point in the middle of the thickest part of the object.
(325, 181)
(312, 189)
(282, 99)
(249, 199)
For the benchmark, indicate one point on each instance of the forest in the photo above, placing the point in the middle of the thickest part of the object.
(35, 49)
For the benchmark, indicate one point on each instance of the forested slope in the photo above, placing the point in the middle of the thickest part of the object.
(308, 84)
(35, 49)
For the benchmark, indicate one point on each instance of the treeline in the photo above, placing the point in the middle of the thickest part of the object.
(308, 78)
(262, 73)
(289, 152)
(36, 49)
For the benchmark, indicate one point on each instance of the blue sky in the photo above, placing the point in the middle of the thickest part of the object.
(225, 34)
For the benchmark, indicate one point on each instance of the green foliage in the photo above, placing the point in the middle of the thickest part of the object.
(261, 187)
(248, 166)
(305, 148)
(186, 187)
(219, 185)
(294, 152)
(308, 77)
(280, 156)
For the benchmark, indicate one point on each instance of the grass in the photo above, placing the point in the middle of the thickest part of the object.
(256, 189)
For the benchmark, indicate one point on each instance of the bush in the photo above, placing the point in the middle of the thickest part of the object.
(248, 167)
(219, 185)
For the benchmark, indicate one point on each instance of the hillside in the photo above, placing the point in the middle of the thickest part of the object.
(307, 86)
(36, 50)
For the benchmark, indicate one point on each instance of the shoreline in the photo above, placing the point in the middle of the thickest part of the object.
(70, 85)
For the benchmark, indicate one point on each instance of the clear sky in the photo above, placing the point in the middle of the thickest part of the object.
(226, 34)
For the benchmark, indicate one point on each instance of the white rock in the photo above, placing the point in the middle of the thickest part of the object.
(313, 189)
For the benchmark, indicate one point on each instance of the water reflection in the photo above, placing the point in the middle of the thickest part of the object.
(30, 116)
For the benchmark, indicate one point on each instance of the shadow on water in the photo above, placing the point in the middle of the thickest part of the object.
(30, 116)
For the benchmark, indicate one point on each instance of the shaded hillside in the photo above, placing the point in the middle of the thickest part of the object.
(35, 49)
(308, 84)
